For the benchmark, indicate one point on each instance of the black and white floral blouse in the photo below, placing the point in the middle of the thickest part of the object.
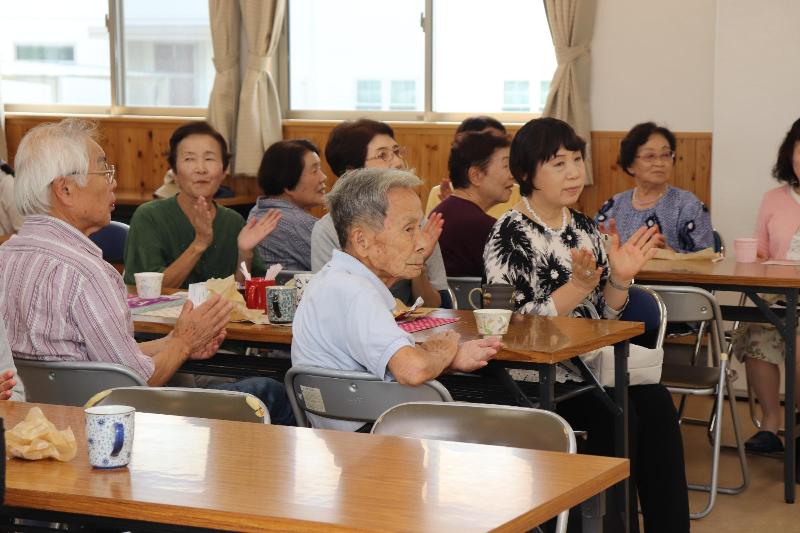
(536, 261)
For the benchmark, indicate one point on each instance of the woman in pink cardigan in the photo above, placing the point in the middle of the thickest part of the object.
(761, 346)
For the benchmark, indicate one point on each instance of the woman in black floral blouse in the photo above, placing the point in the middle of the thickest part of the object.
(557, 260)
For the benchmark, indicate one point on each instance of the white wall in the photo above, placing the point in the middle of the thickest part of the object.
(756, 99)
(653, 60)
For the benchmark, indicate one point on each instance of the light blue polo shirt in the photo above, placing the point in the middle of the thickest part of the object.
(345, 322)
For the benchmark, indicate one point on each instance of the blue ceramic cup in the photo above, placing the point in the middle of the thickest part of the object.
(109, 435)
(281, 304)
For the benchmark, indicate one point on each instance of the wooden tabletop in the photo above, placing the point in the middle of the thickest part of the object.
(530, 338)
(140, 196)
(725, 272)
(252, 477)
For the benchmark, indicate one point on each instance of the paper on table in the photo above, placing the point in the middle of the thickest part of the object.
(37, 438)
(707, 253)
(781, 262)
(226, 288)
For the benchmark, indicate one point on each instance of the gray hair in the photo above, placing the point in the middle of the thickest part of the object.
(45, 153)
(360, 196)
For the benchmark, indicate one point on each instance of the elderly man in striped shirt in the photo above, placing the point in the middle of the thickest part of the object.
(61, 301)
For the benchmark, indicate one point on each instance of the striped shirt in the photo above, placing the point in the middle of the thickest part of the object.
(61, 302)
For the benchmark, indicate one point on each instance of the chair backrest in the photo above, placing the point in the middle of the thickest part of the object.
(645, 305)
(461, 288)
(719, 243)
(111, 239)
(499, 425)
(285, 275)
(354, 396)
(691, 304)
(72, 383)
(179, 401)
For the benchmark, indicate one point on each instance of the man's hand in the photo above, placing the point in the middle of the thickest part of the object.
(475, 354)
(202, 220)
(445, 342)
(211, 348)
(256, 230)
(431, 233)
(7, 383)
(199, 328)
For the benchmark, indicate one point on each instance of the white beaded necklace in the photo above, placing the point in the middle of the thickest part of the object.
(539, 221)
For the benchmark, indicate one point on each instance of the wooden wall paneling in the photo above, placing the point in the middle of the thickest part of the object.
(137, 144)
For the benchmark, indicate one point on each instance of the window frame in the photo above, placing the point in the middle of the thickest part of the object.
(425, 115)
(116, 40)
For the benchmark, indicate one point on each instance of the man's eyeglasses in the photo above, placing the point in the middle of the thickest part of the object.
(652, 157)
(386, 154)
(109, 172)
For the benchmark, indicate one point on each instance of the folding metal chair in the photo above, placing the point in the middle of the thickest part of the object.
(498, 425)
(73, 382)
(193, 402)
(693, 304)
(353, 396)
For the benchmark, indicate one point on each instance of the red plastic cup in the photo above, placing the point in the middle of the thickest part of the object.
(255, 292)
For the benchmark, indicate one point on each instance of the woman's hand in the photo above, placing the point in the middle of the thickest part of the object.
(256, 230)
(202, 220)
(431, 233)
(627, 260)
(585, 272)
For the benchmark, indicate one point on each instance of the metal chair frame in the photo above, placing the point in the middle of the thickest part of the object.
(184, 401)
(498, 425)
(693, 304)
(352, 396)
(460, 287)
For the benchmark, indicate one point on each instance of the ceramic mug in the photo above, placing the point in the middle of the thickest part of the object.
(300, 282)
(109, 435)
(492, 322)
(495, 296)
(281, 304)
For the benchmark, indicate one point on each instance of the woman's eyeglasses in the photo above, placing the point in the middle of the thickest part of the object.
(386, 154)
(652, 157)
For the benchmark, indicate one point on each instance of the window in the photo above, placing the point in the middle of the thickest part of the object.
(516, 96)
(368, 94)
(56, 53)
(544, 91)
(404, 95)
(32, 52)
(473, 60)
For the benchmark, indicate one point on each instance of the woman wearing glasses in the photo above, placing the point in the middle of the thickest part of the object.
(647, 153)
(367, 143)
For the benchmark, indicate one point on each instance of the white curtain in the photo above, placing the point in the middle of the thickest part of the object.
(224, 99)
(259, 117)
(571, 26)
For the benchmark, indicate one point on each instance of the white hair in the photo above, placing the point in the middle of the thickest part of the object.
(360, 196)
(45, 153)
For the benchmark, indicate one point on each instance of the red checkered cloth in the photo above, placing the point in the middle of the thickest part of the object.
(425, 322)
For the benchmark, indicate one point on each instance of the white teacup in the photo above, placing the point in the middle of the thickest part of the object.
(109, 435)
(492, 321)
(300, 282)
(148, 284)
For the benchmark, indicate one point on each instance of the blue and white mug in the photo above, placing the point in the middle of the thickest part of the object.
(281, 304)
(109, 435)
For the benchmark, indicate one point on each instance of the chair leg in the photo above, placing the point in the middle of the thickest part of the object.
(714, 488)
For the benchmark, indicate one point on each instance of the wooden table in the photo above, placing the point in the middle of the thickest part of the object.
(750, 279)
(532, 341)
(200, 473)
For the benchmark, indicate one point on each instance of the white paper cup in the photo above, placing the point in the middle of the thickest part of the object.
(745, 250)
(148, 284)
(109, 435)
(492, 322)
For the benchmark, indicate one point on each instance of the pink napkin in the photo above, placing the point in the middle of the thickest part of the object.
(425, 322)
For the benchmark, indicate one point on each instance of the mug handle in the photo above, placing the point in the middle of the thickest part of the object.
(469, 297)
(119, 438)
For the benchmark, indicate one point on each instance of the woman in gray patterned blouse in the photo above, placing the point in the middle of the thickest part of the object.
(292, 180)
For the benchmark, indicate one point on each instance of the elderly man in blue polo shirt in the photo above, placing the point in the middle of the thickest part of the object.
(345, 319)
